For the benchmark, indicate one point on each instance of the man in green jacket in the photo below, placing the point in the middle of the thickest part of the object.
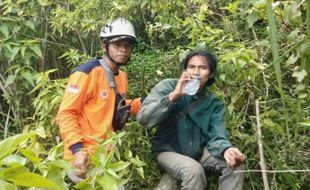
(191, 135)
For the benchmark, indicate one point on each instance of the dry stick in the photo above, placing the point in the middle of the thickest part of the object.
(260, 148)
(272, 171)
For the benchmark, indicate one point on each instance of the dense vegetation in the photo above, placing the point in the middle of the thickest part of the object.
(264, 53)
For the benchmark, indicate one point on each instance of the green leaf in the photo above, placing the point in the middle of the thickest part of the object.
(302, 96)
(305, 48)
(112, 173)
(12, 170)
(10, 80)
(57, 176)
(28, 76)
(300, 87)
(9, 145)
(22, 51)
(40, 131)
(7, 186)
(28, 179)
(30, 24)
(141, 172)
(233, 7)
(252, 18)
(14, 52)
(269, 113)
(44, 2)
(31, 155)
(274, 127)
(5, 30)
(306, 123)
(137, 162)
(107, 182)
(36, 49)
(118, 166)
(83, 185)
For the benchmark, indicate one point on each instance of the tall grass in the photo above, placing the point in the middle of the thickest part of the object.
(306, 58)
(273, 42)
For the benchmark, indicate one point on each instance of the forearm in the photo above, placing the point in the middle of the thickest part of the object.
(69, 128)
(154, 112)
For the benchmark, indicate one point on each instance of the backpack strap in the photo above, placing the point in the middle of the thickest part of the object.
(110, 75)
(121, 111)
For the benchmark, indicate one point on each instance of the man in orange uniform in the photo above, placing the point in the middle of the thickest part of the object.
(89, 102)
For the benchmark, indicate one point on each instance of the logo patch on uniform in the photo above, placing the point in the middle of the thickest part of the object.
(104, 94)
(73, 88)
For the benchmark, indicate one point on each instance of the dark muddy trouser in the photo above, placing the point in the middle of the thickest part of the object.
(191, 173)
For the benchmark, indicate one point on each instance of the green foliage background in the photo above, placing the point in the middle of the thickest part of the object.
(263, 49)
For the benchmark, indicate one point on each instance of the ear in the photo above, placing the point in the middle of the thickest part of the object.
(103, 46)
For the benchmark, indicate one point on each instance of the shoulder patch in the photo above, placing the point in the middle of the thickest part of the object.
(104, 94)
(73, 88)
(87, 67)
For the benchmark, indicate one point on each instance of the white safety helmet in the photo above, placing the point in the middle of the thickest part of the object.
(118, 29)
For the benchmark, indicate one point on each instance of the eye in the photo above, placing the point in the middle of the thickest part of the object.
(203, 67)
(190, 66)
(128, 45)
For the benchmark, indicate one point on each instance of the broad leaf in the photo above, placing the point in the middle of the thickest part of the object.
(10, 80)
(30, 24)
(36, 49)
(118, 166)
(107, 182)
(141, 172)
(29, 179)
(7, 186)
(252, 18)
(28, 77)
(9, 145)
(31, 155)
(14, 52)
(4, 30)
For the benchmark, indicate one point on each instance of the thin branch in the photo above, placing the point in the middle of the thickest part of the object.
(82, 43)
(6, 127)
(260, 148)
(272, 171)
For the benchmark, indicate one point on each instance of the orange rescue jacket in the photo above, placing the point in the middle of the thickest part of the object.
(88, 106)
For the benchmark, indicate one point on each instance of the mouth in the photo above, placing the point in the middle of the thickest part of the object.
(123, 56)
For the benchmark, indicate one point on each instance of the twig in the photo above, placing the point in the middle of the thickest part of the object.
(6, 127)
(82, 43)
(260, 148)
(271, 171)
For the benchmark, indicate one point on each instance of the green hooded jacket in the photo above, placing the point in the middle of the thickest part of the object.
(204, 125)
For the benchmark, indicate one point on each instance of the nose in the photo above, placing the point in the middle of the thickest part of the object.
(196, 71)
(123, 48)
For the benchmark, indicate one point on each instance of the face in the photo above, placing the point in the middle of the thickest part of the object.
(120, 51)
(198, 66)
